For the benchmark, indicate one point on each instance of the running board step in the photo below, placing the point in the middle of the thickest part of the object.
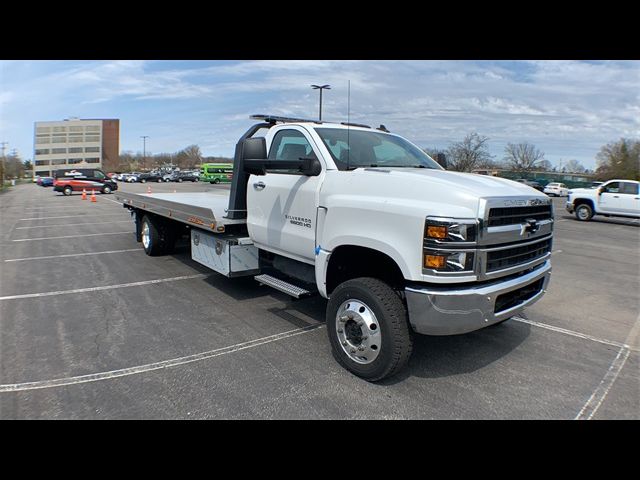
(281, 285)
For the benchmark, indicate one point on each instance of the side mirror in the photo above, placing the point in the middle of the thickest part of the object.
(254, 148)
(600, 190)
(311, 167)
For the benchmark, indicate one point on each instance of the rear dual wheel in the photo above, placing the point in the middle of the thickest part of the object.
(157, 238)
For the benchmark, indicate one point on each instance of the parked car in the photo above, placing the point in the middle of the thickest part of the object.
(556, 189)
(615, 198)
(531, 183)
(76, 180)
(45, 181)
(130, 177)
(150, 177)
(184, 177)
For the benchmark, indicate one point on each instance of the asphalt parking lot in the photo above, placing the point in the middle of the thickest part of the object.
(92, 328)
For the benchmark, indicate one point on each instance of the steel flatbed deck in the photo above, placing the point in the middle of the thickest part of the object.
(205, 210)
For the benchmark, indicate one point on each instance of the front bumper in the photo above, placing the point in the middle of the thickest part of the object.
(442, 311)
(569, 207)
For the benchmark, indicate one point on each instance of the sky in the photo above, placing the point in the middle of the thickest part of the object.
(567, 109)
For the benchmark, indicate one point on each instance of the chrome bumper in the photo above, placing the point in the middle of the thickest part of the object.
(442, 311)
(569, 207)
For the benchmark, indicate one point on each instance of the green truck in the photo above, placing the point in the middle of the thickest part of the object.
(216, 172)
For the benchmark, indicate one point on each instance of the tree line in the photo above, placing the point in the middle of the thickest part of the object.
(618, 159)
(187, 158)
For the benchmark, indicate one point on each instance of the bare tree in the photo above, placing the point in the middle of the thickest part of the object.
(469, 154)
(188, 157)
(522, 157)
(574, 166)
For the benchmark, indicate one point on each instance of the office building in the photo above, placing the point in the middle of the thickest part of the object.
(76, 143)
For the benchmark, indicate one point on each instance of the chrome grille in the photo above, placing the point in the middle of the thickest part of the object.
(516, 215)
(517, 255)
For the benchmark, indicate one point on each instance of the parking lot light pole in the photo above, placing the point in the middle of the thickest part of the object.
(321, 87)
(144, 150)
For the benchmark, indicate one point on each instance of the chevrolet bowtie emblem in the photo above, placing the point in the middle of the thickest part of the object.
(530, 225)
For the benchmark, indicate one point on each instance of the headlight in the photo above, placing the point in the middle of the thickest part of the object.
(448, 230)
(448, 261)
(449, 244)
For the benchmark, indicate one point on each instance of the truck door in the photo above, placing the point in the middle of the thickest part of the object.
(609, 200)
(282, 205)
(629, 199)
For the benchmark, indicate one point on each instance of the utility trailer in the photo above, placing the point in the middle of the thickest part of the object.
(364, 218)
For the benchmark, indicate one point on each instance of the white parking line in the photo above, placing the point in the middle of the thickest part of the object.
(106, 287)
(73, 255)
(574, 334)
(69, 236)
(18, 387)
(72, 224)
(114, 201)
(593, 404)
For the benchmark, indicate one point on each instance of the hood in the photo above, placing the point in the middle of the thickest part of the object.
(440, 192)
(472, 183)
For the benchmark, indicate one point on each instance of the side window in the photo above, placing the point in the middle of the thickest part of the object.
(98, 174)
(290, 145)
(613, 187)
(629, 188)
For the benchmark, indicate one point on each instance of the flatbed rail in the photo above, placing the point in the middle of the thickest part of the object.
(204, 210)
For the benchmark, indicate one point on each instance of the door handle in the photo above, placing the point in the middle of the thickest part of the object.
(259, 185)
(616, 196)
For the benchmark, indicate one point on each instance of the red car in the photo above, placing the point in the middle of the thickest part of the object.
(69, 181)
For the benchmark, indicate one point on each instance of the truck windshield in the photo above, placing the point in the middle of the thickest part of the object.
(358, 148)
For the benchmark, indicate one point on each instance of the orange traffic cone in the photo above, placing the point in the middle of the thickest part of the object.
(84, 194)
(149, 189)
(93, 196)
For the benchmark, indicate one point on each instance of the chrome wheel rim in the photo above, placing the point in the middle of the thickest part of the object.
(583, 213)
(358, 331)
(146, 239)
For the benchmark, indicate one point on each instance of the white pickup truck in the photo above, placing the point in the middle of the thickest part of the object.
(615, 198)
(366, 219)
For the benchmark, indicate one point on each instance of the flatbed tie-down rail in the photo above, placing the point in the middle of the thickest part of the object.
(202, 209)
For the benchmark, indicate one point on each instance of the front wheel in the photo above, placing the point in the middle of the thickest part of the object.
(67, 190)
(368, 328)
(584, 212)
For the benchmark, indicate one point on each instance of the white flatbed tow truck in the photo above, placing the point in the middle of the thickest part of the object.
(366, 219)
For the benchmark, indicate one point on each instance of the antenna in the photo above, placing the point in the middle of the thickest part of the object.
(348, 121)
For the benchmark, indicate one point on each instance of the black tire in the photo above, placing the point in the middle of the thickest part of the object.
(396, 336)
(160, 240)
(67, 190)
(106, 189)
(584, 212)
(216, 181)
(142, 180)
(159, 180)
